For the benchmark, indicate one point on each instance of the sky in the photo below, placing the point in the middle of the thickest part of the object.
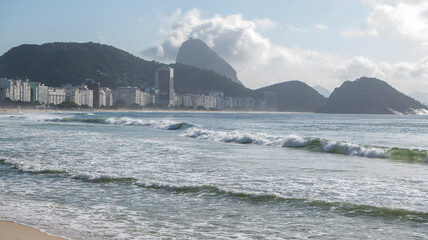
(318, 42)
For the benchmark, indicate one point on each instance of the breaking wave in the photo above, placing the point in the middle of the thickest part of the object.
(349, 209)
(86, 177)
(345, 208)
(311, 144)
(126, 121)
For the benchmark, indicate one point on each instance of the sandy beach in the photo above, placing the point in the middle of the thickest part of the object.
(16, 231)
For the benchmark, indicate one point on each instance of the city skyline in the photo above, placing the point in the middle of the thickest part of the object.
(318, 43)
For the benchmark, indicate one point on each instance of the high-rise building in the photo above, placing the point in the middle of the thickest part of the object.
(56, 96)
(4, 89)
(39, 92)
(127, 95)
(164, 83)
(18, 90)
(108, 97)
(96, 89)
(270, 100)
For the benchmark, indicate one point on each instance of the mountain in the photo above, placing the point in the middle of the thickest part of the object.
(294, 96)
(322, 90)
(420, 96)
(371, 96)
(60, 63)
(196, 53)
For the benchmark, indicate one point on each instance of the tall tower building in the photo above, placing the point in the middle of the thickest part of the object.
(96, 89)
(164, 83)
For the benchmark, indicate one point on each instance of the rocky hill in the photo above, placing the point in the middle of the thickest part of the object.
(369, 96)
(294, 96)
(196, 53)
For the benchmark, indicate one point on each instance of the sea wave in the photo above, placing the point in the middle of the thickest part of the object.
(102, 178)
(311, 144)
(23, 167)
(345, 208)
(126, 121)
(349, 209)
(33, 168)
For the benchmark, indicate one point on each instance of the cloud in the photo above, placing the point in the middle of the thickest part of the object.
(259, 62)
(358, 33)
(321, 26)
(294, 28)
(404, 76)
(361, 67)
(101, 38)
(408, 20)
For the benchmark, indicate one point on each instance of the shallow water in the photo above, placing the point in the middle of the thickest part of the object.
(216, 175)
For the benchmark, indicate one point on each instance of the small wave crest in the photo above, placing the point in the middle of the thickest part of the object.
(102, 178)
(349, 209)
(160, 124)
(308, 143)
(33, 169)
(126, 121)
(86, 177)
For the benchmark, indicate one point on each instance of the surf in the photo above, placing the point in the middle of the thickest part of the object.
(313, 144)
(126, 121)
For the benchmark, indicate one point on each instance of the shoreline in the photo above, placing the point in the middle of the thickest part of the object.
(16, 231)
(53, 110)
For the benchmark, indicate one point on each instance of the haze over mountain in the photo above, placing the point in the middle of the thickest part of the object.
(295, 96)
(322, 90)
(371, 96)
(196, 53)
(420, 96)
(60, 63)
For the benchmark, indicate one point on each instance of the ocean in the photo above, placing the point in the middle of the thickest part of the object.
(215, 175)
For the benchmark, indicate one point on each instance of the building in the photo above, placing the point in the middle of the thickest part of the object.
(228, 103)
(25, 91)
(16, 90)
(96, 89)
(164, 84)
(106, 97)
(4, 89)
(270, 100)
(217, 99)
(108, 94)
(80, 95)
(127, 95)
(146, 99)
(56, 95)
(3, 94)
(39, 92)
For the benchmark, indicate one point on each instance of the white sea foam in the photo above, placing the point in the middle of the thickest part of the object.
(418, 111)
(348, 148)
(123, 121)
(160, 124)
(32, 116)
(291, 141)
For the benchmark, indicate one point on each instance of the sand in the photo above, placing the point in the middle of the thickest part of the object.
(15, 231)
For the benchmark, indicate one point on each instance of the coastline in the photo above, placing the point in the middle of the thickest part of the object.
(16, 231)
(53, 110)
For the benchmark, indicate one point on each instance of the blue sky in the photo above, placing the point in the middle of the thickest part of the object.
(319, 42)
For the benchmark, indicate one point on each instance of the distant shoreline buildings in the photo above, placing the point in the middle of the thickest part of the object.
(90, 94)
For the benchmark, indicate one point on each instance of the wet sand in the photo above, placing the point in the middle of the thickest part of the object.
(16, 231)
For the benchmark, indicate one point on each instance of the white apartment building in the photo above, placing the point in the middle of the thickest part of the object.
(80, 95)
(56, 95)
(127, 95)
(16, 90)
